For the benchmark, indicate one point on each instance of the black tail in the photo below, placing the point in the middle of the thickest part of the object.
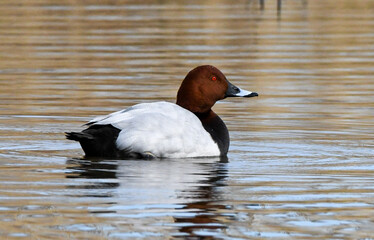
(78, 136)
(97, 140)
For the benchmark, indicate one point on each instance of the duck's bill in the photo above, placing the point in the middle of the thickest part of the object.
(234, 91)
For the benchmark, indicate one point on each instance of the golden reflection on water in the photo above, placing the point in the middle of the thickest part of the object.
(300, 162)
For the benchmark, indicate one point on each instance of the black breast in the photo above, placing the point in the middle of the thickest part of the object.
(214, 125)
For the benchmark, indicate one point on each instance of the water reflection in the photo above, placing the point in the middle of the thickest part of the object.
(307, 141)
(91, 169)
(96, 172)
(206, 208)
(194, 183)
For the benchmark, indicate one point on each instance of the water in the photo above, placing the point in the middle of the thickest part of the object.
(300, 164)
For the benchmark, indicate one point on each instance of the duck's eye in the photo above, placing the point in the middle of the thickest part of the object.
(214, 78)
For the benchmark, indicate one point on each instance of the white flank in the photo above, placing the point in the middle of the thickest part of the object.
(161, 128)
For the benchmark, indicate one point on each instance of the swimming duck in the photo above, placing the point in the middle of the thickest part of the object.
(188, 128)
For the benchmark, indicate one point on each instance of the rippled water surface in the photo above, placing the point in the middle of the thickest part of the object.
(300, 164)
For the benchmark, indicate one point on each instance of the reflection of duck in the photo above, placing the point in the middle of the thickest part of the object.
(207, 211)
(93, 169)
(188, 191)
(188, 128)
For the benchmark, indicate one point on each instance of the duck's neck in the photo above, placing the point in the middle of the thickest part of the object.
(214, 125)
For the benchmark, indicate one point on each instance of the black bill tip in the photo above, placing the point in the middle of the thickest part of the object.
(252, 94)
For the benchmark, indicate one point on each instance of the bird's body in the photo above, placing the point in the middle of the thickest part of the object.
(188, 128)
(161, 129)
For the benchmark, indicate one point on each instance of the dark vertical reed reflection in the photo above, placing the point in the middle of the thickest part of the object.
(279, 9)
(262, 4)
(279, 5)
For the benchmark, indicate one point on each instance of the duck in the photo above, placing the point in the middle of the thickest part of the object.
(185, 129)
